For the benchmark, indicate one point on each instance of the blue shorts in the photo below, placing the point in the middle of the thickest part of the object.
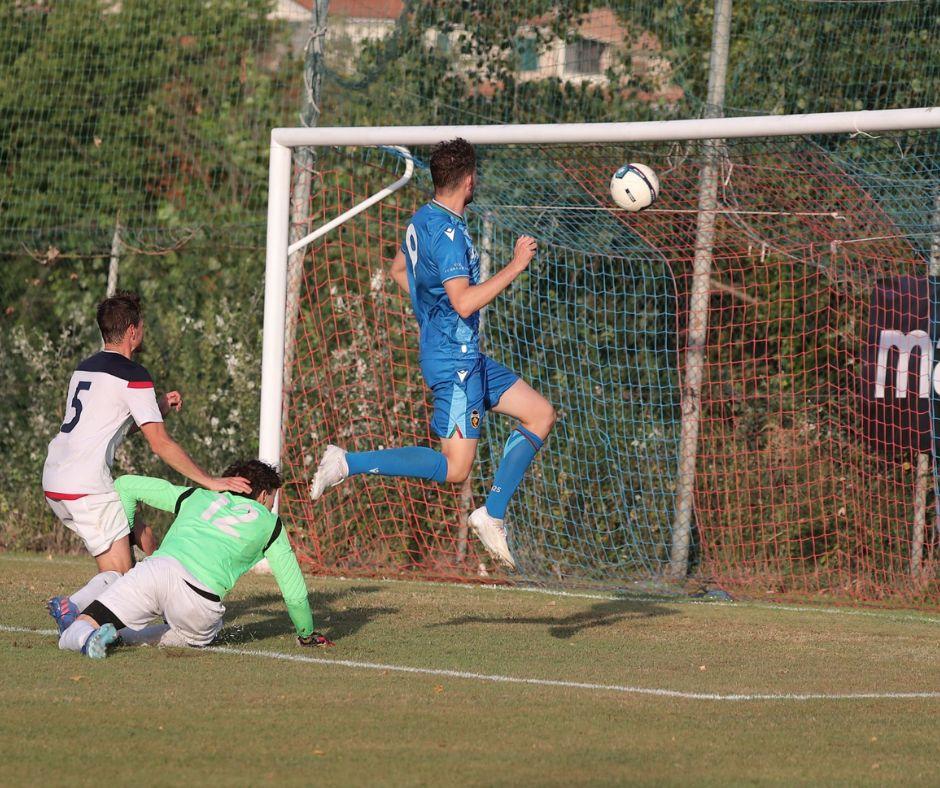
(464, 393)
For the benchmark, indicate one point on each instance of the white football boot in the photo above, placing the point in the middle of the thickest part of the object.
(492, 533)
(331, 471)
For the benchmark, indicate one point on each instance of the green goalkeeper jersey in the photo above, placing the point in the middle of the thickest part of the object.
(218, 537)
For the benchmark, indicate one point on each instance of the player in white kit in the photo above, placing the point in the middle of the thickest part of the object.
(109, 396)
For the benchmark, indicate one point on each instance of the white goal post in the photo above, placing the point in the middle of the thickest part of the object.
(283, 140)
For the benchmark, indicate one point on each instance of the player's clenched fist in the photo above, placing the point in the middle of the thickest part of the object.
(524, 251)
(172, 400)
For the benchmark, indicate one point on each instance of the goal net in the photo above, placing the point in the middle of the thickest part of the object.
(813, 465)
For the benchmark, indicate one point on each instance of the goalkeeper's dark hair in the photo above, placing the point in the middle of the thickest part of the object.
(118, 313)
(261, 476)
(452, 161)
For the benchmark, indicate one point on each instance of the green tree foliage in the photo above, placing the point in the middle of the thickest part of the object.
(150, 112)
(153, 116)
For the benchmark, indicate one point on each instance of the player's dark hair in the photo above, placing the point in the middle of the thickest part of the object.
(452, 161)
(261, 476)
(117, 314)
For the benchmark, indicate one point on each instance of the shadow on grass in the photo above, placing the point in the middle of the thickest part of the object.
(602, 614)
(328, 616)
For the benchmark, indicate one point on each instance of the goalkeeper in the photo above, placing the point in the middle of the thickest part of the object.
(439, 266)
(215, 538)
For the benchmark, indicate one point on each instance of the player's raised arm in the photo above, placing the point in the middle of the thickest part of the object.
(176, 457)
(158, 493)
(467, 299)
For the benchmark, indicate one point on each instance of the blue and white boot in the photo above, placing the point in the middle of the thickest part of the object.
(97, 644)
(63, 611)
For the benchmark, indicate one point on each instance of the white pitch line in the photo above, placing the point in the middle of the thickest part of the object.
(27, 630)
(621, 688)
(664, 600)
(496, 678)
(629, 596)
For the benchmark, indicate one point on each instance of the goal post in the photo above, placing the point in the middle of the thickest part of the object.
(279, 181)
(630, 136)
(275, 287)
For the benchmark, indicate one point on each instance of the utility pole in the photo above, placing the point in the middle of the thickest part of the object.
(304, 160)
(699, 299)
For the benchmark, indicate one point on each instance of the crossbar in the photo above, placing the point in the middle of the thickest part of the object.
(867, 121)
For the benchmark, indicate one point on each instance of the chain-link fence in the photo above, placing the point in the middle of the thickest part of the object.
(133, 145)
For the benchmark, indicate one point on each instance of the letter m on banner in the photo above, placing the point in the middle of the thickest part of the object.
(905, 345)
(899, 379)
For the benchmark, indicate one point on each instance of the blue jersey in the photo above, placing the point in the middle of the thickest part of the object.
(437, 248)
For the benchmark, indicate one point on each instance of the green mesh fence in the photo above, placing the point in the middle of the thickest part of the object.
(134, 139)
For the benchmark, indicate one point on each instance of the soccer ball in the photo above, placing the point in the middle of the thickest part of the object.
(634, 187)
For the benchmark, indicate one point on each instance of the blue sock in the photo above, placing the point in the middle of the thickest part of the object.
(517, 457)
(415, 462)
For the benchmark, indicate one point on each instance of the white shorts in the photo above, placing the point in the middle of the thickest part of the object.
(98, 519)
(157, 586)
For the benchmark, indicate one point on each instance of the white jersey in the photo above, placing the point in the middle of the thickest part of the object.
(107, 393)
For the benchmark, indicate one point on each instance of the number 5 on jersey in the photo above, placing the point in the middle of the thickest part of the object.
(76, 405)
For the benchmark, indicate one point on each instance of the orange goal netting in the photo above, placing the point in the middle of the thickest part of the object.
(815, 467)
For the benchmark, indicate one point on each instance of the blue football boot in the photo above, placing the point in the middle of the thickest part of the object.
(97, 644)
(63, 611)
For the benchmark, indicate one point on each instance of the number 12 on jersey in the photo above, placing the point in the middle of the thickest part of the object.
(241, 513)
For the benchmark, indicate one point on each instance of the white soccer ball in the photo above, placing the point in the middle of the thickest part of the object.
(634, 187)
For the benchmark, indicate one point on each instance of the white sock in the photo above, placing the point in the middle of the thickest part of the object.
(75, 636)
(148, 636)
(93, 588)
(173, 639)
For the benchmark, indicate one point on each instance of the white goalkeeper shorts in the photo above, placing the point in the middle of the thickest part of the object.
(160, 586)
(98, 519)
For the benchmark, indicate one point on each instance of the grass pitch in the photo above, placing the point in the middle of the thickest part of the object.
(425, 687)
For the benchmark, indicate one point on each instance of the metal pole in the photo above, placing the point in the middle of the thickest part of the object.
(920, 514)
(868, 121)
(698, 302)
(921, 483)
(114, 266)
(305, 160)
(275, 295)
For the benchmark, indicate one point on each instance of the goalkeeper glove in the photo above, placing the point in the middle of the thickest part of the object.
(314, 639)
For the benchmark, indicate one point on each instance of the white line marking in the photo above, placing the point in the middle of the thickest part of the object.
(27, 630)
(496, 678)
(665, 600)
(45, 558)
(500, 679)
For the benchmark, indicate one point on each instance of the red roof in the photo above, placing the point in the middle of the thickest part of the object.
(598, 24)
(361, 9)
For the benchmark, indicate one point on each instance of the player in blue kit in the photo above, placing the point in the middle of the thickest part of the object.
(440, 268)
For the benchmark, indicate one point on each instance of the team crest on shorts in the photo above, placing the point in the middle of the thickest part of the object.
(474, 418)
